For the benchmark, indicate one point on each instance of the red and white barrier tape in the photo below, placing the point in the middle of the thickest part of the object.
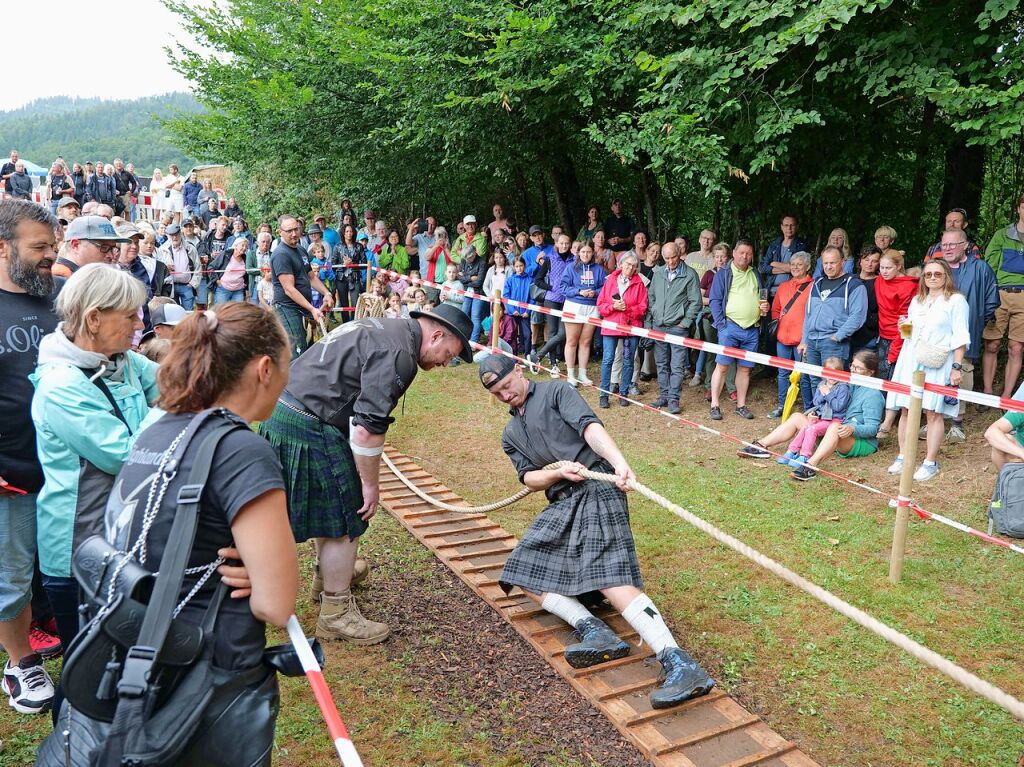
(893, 501)
(989, 400)
(339, 734)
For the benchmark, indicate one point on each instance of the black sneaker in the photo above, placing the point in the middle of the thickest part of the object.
(804, 473)
(598, 644)
(716, 413)
(755, 450)
(602, 401)
(615, 388)
(623, 402)
(645, 377)
(660, 402)
(673, 407)
(684, 679)
(742, 411)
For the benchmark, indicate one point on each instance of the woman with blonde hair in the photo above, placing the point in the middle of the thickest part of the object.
(158, 192)
(939, 336)
(838, 238)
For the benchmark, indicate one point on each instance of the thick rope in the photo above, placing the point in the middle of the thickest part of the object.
(369, 305)
(958, 674)
(447, 506)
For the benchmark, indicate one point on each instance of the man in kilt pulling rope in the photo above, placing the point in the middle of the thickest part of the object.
(581, 543)
(328, 430)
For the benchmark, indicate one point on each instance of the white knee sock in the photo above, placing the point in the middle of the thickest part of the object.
(567, 608)
(645, 618)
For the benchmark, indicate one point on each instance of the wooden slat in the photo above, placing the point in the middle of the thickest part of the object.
(711, 731)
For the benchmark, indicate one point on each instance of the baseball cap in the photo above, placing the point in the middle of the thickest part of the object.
(535, 230)
(470, 219)
(175, 229)
(168, 314)
(129, 230)
(92, 228)
(494, 368)
(67, 201)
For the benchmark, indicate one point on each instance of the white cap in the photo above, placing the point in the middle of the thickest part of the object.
(470, 219)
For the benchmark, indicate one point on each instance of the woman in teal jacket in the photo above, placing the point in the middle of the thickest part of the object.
(91, 395)
(855, 437)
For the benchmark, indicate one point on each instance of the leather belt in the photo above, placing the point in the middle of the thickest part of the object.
(291, 403)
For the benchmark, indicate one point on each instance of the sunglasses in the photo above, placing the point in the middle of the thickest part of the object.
(928, 275)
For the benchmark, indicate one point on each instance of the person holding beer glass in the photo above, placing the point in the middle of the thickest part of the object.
(936, 336)
(894, 290)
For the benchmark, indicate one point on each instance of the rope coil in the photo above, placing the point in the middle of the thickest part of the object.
(929, 657)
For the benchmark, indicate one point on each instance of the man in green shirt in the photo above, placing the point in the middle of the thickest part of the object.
(469, 238)
(737, 306)
(1006, 436)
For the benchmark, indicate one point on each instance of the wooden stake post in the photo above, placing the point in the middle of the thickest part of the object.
(495, 323)
(899, 536)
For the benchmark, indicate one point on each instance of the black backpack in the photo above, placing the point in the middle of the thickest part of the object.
(1006, 512)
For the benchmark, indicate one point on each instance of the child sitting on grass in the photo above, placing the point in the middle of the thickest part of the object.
(831, 400)
(395, 309)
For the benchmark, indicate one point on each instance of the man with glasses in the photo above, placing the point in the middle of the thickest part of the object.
(88, 240)
(955, 219)
(294, 280)
(1005, 254)
(976, 280)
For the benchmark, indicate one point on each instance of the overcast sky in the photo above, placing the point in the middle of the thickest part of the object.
(139, 27)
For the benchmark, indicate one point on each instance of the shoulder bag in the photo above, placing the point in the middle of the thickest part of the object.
(773, 326)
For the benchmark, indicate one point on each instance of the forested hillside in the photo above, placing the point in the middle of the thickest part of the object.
(86, 129)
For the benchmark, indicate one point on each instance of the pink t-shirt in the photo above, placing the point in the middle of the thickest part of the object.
(234, 275)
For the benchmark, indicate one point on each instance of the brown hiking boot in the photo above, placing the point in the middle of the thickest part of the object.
(340, 619)
(359, 573)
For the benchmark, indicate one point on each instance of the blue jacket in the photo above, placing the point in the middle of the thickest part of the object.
(774, 253)
(81, 442)
(867, 406)
(517, 288)
(976, 280)
(549, 276)
(573, 282)
(718, 296)
(834, 404)
(840, 314)
(530, 257)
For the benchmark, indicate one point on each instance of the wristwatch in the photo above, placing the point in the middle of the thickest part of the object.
(957, 366)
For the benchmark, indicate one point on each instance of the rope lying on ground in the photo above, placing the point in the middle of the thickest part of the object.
(958, 674)
(447, 506)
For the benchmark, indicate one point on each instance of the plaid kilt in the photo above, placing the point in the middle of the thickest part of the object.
(320, 477)
(578, 544)
(294, 327)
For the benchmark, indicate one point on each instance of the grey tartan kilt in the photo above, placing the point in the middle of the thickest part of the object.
(578, 544)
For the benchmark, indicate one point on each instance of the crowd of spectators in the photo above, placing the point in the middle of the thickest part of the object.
(136, 278)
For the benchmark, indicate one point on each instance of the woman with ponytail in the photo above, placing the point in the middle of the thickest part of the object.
(233, 360)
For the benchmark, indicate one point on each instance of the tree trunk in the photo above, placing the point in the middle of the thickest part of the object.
(649, 190)
(568, 196)
(924, 143)
(963, 178)
(526, 219)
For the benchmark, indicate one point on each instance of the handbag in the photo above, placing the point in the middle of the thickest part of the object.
(773, 326)
(141, 688)
(929, 355)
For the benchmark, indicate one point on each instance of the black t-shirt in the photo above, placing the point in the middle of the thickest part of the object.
(294, 261)
(827, 286)
(622, 226)
(8, 168)
(58, 183)
(24, 320)
(208, 216)
(244, 468)
(869, 330)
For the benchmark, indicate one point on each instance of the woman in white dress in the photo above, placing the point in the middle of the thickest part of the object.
(939, 338)
(175, 185)
(156, 191)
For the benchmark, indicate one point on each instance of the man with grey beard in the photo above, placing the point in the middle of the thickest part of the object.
(27, 242)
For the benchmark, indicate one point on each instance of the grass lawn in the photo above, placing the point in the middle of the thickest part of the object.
(844, 696)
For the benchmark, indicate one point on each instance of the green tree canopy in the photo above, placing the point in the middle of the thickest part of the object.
(727, 112)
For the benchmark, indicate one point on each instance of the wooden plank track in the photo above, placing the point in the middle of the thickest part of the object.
(712, 731)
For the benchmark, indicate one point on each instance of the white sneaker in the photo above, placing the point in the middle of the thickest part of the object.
(897, 465)
(28, 686)
(956, 434)
(570, 377)
(926, 471)
(555, 372)
(581, 376)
